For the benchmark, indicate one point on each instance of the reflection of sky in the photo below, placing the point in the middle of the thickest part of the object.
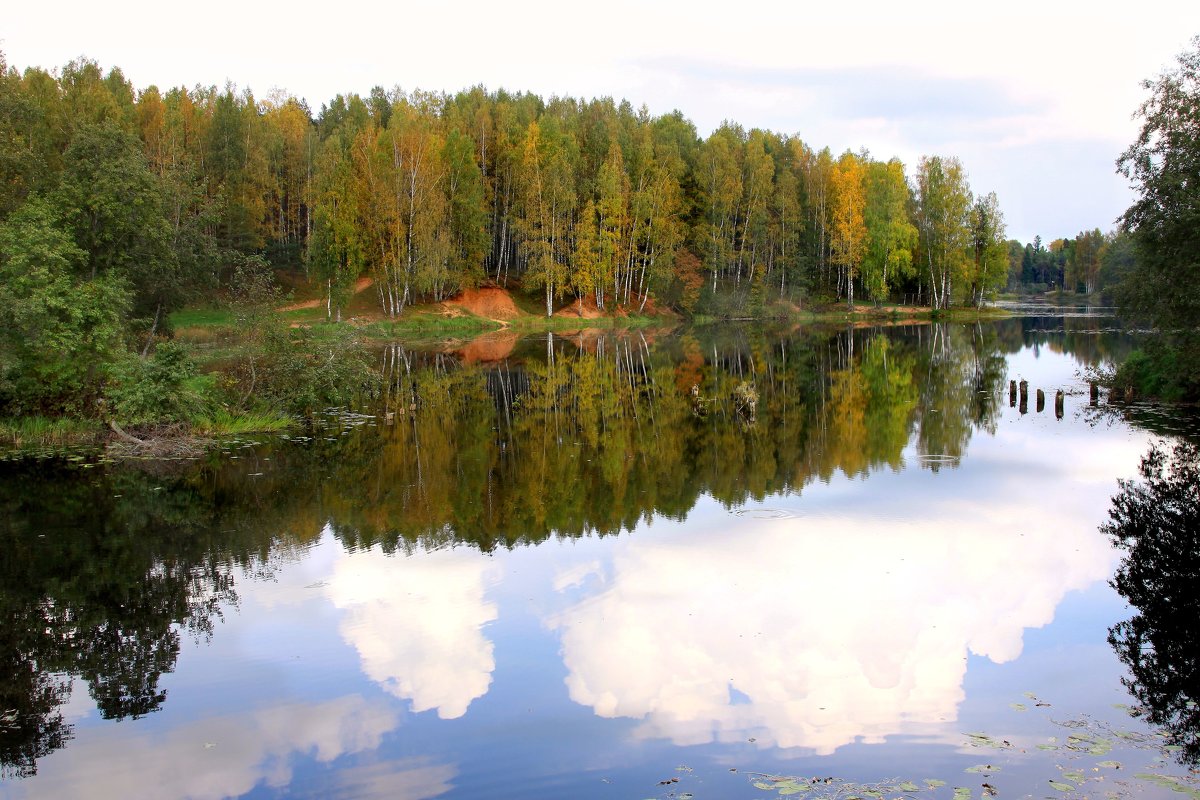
(908, 606)
(856, 618)
(221, 756)
(418, 624)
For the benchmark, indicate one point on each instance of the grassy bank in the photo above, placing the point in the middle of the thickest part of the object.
(33, 433)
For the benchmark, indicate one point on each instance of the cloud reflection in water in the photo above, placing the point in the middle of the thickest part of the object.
(819, 631)
(417, 624)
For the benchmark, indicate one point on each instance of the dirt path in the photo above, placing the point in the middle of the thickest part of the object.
(360, 285)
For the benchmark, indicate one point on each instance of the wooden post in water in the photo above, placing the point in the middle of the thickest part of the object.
(1059, 399)
(1041, 401)
(1095, 394)
(1012, 393)
(1024, 397)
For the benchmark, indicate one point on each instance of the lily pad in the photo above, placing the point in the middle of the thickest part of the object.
(1169, 782)
(962, 793)
(1018, 707)
(983, 740)
(1062, 787)
(934, 783)
(982, 769)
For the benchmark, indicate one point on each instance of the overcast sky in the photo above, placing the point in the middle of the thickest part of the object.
(1036, 98)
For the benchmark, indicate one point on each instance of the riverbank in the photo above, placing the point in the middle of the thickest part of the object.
(492, 309)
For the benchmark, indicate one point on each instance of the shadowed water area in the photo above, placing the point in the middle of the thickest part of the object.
(717, 563)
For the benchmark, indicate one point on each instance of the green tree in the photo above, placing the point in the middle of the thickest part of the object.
(61, 331)
(891, 237)
(988, 267)
(1164, 166)
(943, 206)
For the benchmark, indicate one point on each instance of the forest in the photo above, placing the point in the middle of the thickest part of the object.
(429, 193)
(119, 205)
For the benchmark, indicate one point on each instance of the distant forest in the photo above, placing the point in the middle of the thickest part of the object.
(1092, 262)
(163, 193)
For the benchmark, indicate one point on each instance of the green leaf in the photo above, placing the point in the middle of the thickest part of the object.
(1062, 787)
(934, 783)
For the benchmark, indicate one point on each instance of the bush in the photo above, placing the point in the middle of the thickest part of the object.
(1161, 369)
(163, 388)
(294, 372)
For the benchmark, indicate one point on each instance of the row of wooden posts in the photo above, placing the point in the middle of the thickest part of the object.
(1021, 390)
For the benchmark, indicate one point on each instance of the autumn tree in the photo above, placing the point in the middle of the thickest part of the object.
(848, 241)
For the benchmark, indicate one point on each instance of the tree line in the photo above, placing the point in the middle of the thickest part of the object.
(429, 193)
(1092, 262)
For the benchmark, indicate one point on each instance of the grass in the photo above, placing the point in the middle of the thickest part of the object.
(34, 432)
(201, 317)
(417, 323)
(224, 423)
(544, 323)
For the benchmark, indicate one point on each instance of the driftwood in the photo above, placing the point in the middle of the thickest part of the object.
(171, 441)
(119, 431)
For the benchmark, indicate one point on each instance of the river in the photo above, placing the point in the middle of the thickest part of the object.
(840, 563)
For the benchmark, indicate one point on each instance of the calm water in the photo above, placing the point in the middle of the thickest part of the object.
(569, 573)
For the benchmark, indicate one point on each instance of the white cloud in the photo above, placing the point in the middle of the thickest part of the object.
(418, 624)
(216, 757)
(847, 623)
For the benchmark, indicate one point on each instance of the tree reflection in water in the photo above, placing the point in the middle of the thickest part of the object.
(1157, 522)
(103, 570)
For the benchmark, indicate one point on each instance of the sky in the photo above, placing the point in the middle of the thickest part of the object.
(1036, 98)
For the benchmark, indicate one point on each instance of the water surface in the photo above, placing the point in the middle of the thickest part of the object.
(599, 568)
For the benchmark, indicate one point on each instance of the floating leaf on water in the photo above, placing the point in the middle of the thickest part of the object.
(1173, 748)
(962, 793)
(1074, 776)
(909, 786)
(1169, 782)
(982, 769)
(1110, 764)
(1018, 707)
(764, 785)
(1047, 747)
(983, 740)
(1031, 695)
(1062, 787)
(934, 783)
